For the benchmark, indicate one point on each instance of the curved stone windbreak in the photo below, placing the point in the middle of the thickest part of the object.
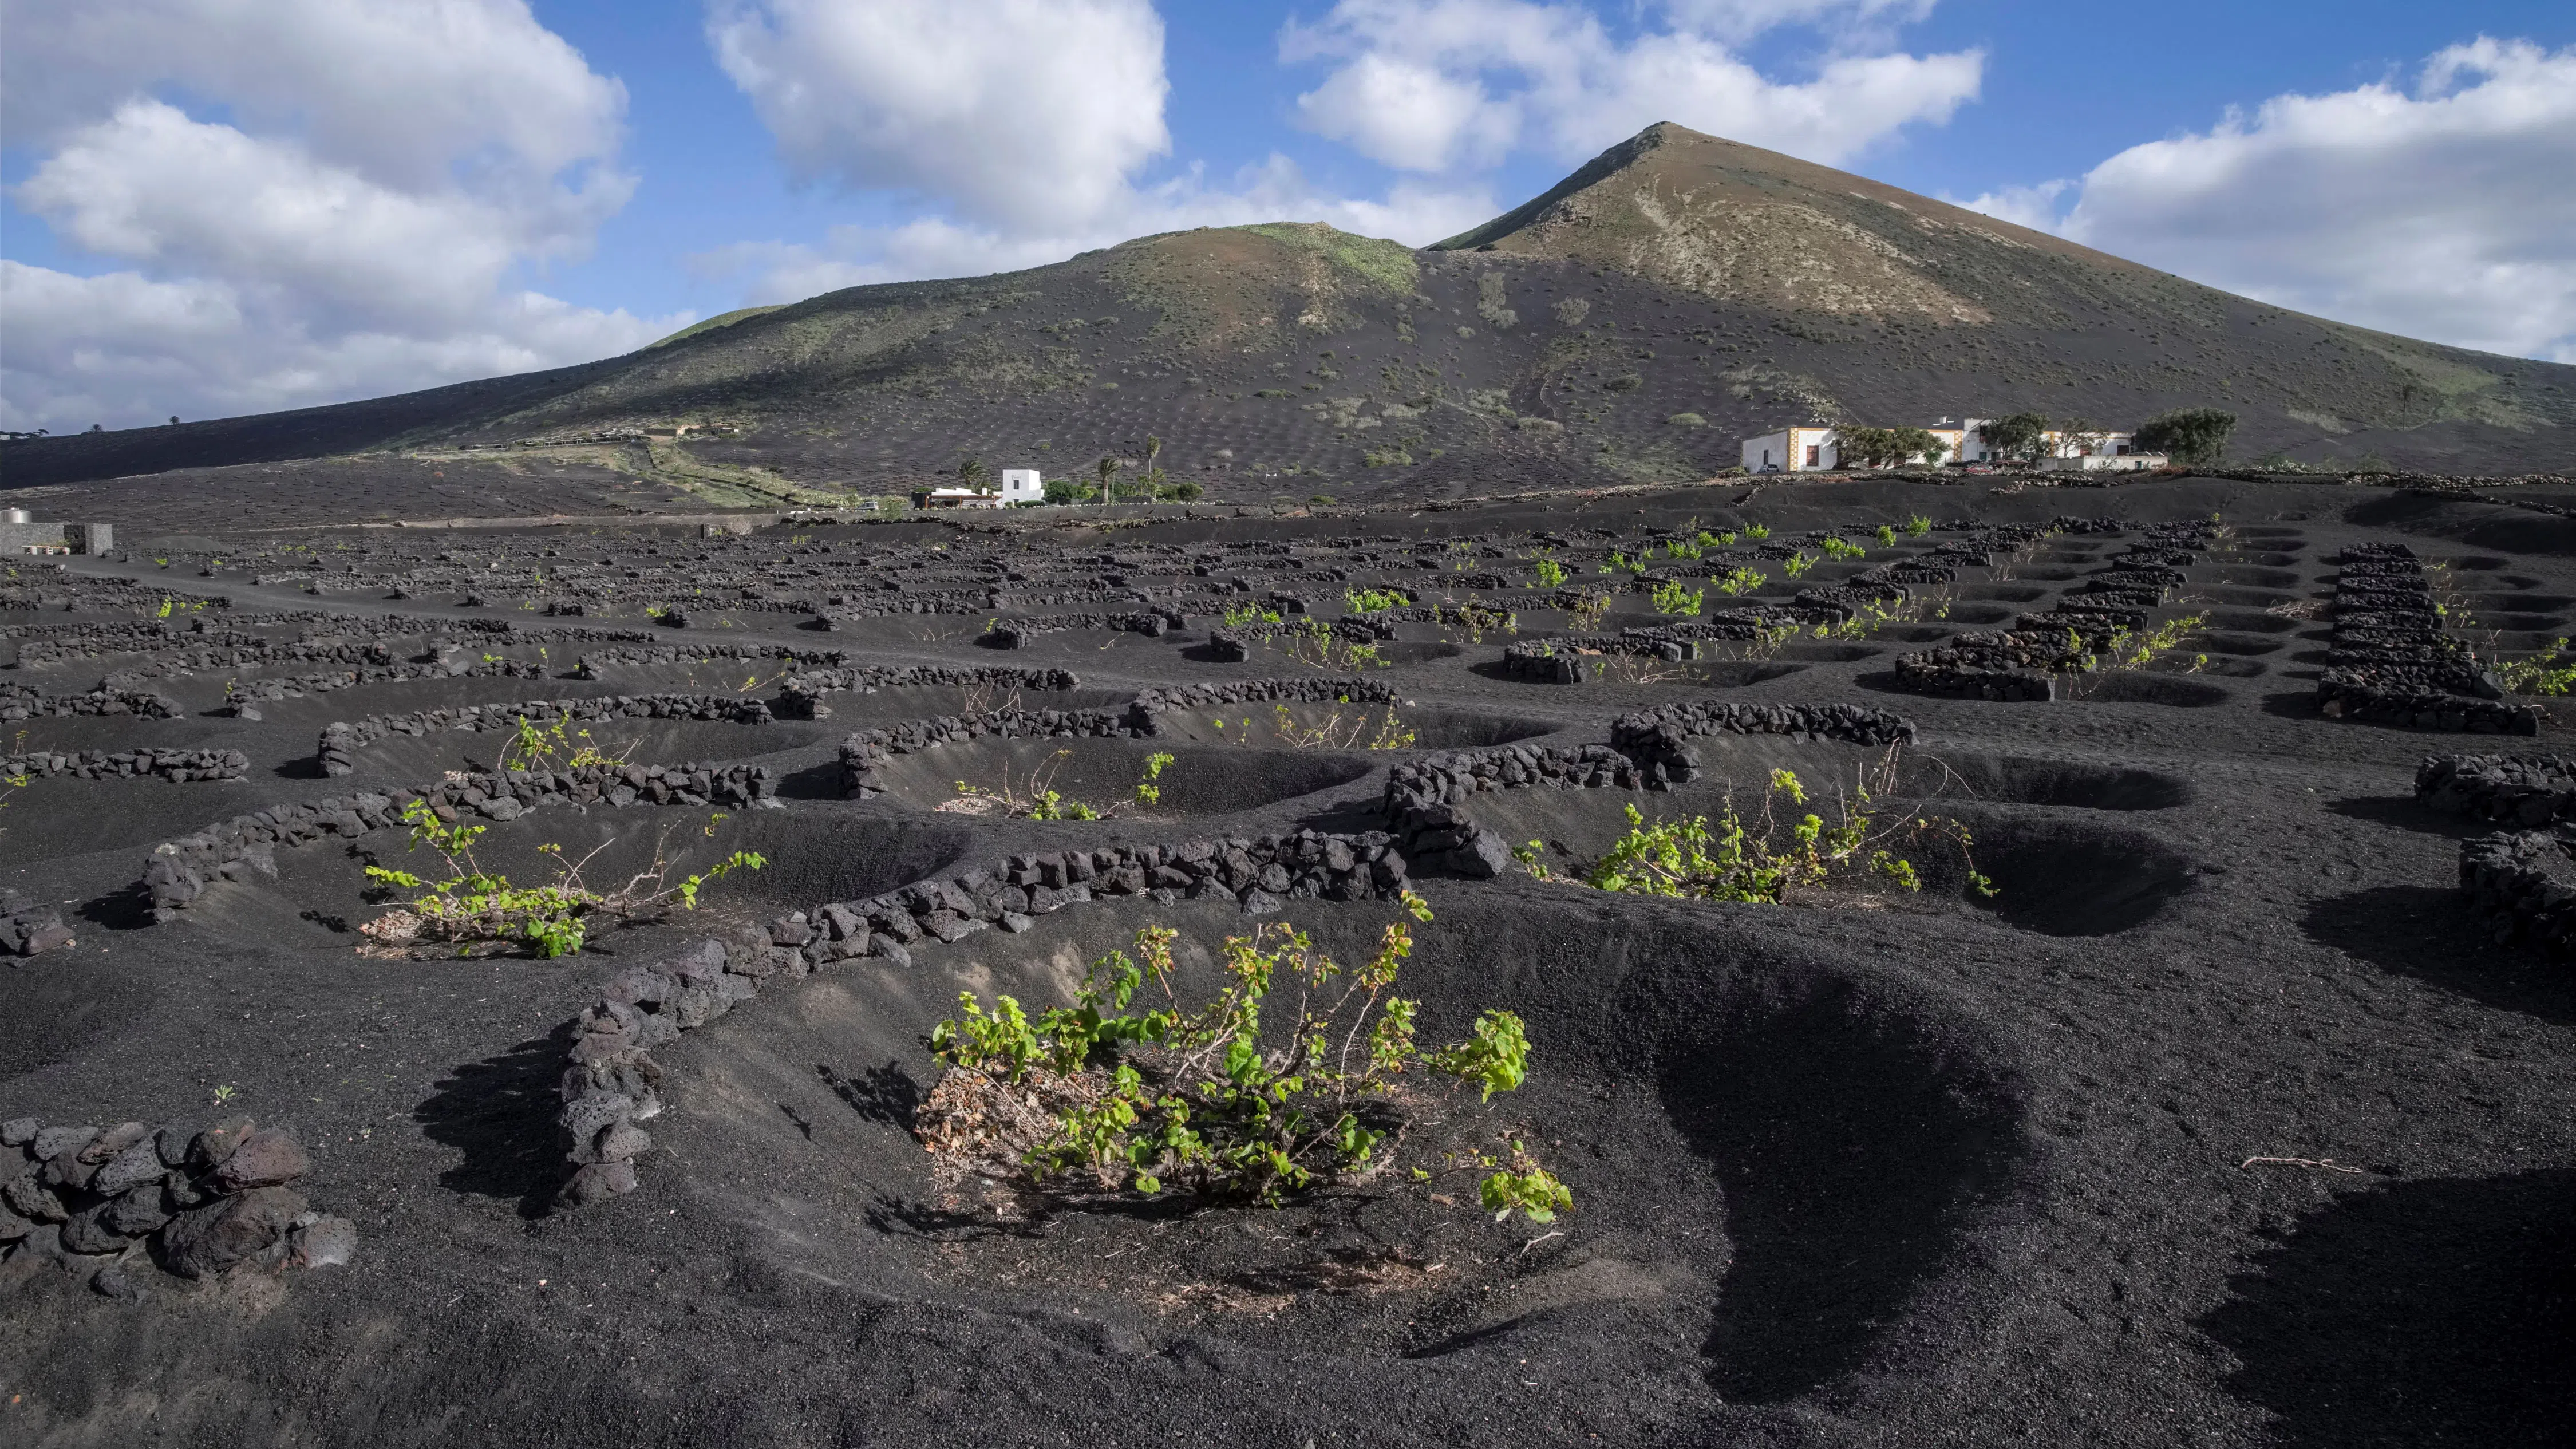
(342, 739)
(180, 767)
(1570, 660)
(1648, 750)
(868, 751)
(199, 1203)
(2521, 885)
(2510, 789)
(610, 1083)
(1017, 633)
(800, 695)
(178, 872)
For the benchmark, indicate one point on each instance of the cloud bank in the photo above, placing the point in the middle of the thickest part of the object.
(930, 99)
(302, 201)
(1443, 85)
(2440, 210)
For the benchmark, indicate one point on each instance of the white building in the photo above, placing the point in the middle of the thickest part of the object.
(1019, 485)
(2102, 462)
(1815, 450)
(1792, 450)
(2055, 444)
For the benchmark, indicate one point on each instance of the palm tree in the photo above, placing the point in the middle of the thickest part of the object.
(1108, 469)
(975, 476)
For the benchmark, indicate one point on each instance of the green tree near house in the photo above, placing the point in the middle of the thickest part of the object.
(1107, 468)
(2023, 436)
(974, 477)
(1153, 476)
(2193, 437)
(1887, 447)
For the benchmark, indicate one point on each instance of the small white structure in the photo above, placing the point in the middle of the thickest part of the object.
(1792, 450)
(2102, 462)
(2055, 443)
(1019, 485)
(1815, 450)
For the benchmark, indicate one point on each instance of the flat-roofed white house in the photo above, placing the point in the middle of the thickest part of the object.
(1808, 450)
(2056, 443)
(1019, 485)
(2102, 462)
(1792, 450)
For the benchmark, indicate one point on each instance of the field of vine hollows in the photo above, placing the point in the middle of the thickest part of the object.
(1854, 963)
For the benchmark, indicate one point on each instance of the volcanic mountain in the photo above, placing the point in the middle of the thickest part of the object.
(1635, 322)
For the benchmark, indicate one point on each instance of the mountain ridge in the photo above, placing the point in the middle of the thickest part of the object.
(1628, 324)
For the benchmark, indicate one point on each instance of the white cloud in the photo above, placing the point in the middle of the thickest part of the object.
(123, 349)
(1028, 121)
(2031, 206)
(398, 88)
(1032, 121)
(344, 214)
(2443, 211)
(855, 256)
(1443, 85)
(1024, 114)
(1737, 21)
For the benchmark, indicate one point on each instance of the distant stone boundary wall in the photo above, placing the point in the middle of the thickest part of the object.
(2392, 661)
(17, 702)
(178, 872)
(243, 697)
(799, 698)
(800, 695)
(180, 767)
(597, 659)
(1017, 633)
(2032, 661)
(341, 740)
(199, 1204)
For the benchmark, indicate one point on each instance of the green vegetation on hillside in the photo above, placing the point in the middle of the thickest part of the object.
(721, 319)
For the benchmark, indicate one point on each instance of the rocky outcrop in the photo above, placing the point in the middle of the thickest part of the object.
(199, 1204)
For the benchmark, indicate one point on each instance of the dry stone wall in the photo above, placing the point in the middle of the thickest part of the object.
(179, 872)
(2392, 661)
(108, 1201)
(611, 1085)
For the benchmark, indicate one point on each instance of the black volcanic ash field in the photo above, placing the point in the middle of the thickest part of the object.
(2228, 1121)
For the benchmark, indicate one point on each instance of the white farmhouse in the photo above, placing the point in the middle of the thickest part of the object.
(1019, 485)
(2055, 444)
(1791, 450)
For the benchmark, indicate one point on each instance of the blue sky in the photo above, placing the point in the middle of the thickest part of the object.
(206, 216)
